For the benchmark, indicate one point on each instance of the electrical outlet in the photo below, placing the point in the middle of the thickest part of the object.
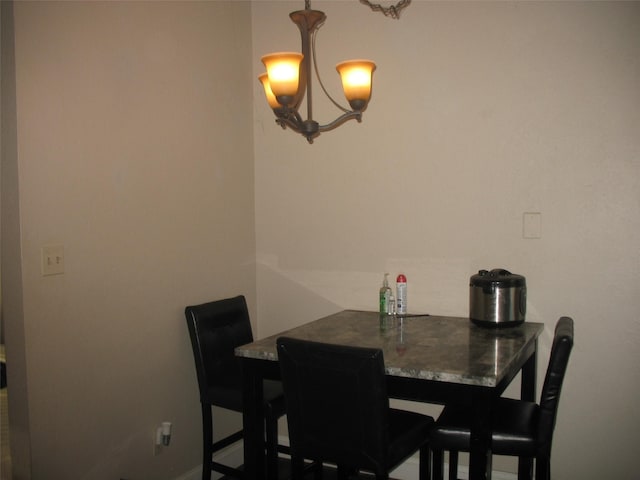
(52, 260)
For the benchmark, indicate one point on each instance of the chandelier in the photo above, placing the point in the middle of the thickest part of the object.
(288, 80)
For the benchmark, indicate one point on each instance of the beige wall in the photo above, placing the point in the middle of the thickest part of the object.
(133, 149)
(129, 145)
(481, 111)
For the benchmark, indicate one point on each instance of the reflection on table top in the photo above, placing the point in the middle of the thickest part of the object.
(446, 349)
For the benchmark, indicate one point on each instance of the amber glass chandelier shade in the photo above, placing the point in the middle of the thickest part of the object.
(356, 78)
(271, 98)
(283, 70)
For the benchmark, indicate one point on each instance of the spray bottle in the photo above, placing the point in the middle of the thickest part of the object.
(401, 294)
(385, 295)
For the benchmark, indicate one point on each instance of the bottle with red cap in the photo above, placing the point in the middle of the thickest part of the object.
(401, 294)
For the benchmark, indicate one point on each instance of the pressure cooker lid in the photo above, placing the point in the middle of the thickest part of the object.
(498, 277)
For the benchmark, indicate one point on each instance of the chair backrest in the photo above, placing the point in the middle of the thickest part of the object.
(558, 361)
(337, 403)
(216, 329)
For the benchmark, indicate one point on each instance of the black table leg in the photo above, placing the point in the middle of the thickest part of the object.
(480, 448)
(529, 374)
(528, 393)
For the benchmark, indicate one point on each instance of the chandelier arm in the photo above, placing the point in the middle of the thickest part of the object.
(286, 122)
(315, 67)
(310, 129)
(340, 120)
(290, 117)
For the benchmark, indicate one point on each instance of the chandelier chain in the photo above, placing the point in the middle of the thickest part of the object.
(393, 11)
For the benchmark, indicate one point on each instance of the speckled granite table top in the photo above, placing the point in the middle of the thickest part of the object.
(448, 349)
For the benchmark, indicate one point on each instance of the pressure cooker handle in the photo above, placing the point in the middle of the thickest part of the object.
(523, 301)
(499, 271)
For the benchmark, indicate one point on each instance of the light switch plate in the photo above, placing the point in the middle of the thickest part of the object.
(531, 225)
(52, 260)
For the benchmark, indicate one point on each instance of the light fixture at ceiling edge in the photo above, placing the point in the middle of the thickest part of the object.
(288, 79)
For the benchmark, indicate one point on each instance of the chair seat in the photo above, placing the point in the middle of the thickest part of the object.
(514, 425)
(406, 429)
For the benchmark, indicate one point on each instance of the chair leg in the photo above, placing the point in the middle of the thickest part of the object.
(453, 465)
(297, 468)
(525, 468)
(344, 472)
(207, 441)
(228, 471)
(209, 447)
(543, 468)
(438, 465)
(425, 463)
(317, 470)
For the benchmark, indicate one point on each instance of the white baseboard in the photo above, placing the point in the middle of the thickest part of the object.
(232, 455)
(193, 474)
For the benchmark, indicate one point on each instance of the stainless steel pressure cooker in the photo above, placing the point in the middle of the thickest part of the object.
(497, 298)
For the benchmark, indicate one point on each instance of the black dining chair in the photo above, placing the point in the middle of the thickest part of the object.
(338, 411)
(216, 329)
(519, 428)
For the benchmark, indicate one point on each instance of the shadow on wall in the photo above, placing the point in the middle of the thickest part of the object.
(286, 301)
(290, 297)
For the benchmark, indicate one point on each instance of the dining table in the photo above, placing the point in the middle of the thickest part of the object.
(428, 358)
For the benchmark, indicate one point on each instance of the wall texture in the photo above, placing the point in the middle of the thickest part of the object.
(133, 150)
(481, 111)
(129, 144)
